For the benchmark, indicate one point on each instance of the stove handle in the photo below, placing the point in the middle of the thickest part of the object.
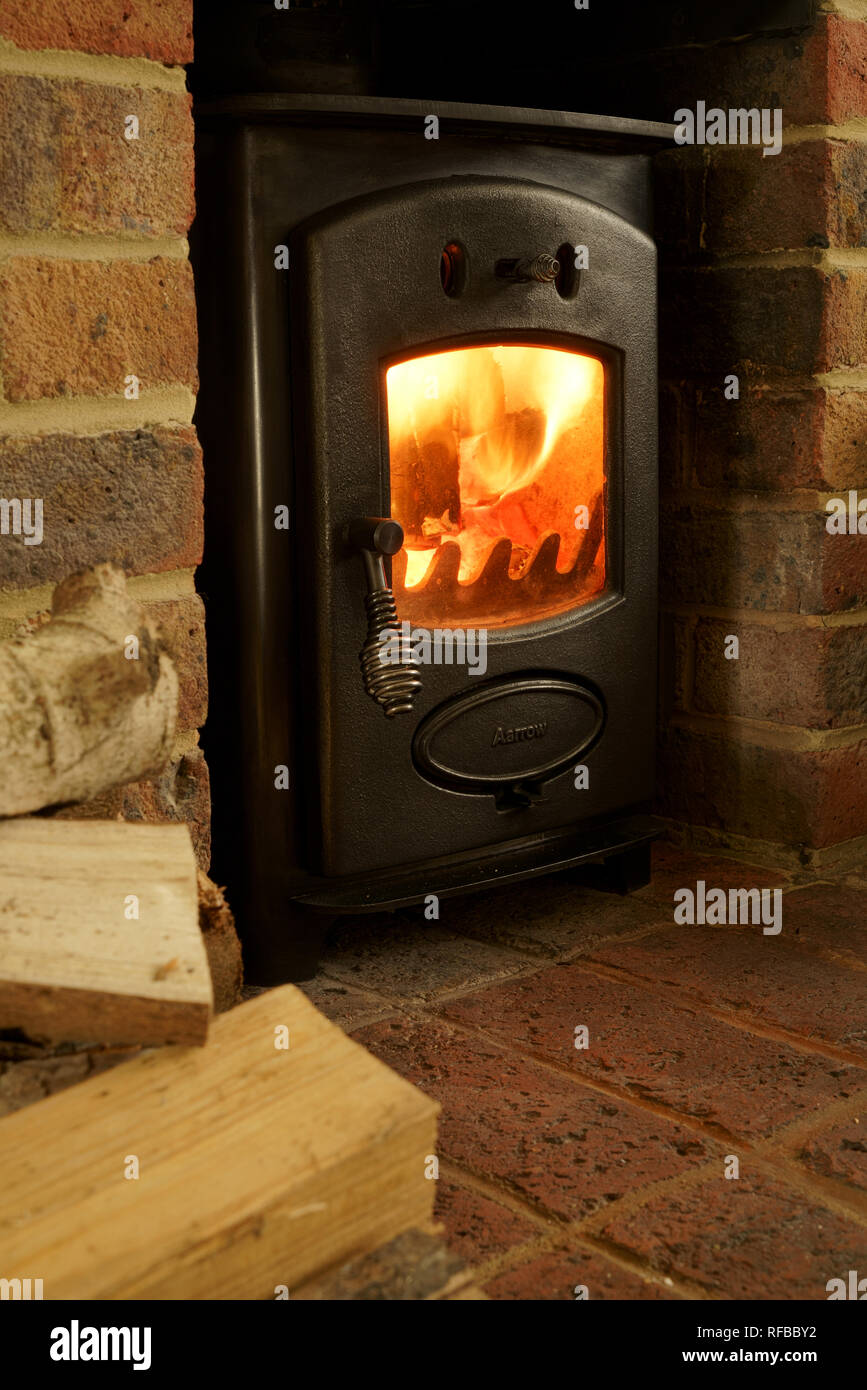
(393, 685)
(544, 268)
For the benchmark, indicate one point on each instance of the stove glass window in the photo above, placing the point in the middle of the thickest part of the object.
(497, 464)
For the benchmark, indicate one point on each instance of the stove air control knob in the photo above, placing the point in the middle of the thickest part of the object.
(544, 268)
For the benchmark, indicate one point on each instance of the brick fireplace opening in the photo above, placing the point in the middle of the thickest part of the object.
(760, 401)
(762, 356)
(429, 404)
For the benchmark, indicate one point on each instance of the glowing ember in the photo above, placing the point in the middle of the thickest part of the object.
(493, 442)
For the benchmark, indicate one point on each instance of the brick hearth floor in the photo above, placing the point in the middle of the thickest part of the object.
(606, 1166)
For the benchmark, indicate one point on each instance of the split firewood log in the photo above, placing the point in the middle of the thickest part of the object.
(87, 702)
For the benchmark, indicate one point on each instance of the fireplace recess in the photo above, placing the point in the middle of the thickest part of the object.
(435, 359)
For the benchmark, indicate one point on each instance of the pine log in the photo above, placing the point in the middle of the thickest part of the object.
(257, 1167)
(87, 702)
(99, 933)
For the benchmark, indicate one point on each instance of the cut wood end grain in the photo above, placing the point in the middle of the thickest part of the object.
(99, 933)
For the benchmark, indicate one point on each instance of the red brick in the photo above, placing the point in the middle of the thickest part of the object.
(551, 1140)
(847, 205)
(676, 417)
(133, 497)
(762, 322)
(183, 627)
(180, 795)
(777, 439)
(845, 43)
(675, 663)
(839, 1152)
(556, 1276)
(656, 1050)
(813, 677)
(735, 201)
(109, 184)
(158, 29)
(758, 978)
(65, 164)
(812, 797)
(771, 560)
(29, 154)
(478, 1228)
(80, 327)
(817, 78)
(747, 1238)
(843, 455)
(756, 204)
(765, 439)
(674, 866)
(831, 919)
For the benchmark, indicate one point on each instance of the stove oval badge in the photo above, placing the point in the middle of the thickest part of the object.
(513, 729)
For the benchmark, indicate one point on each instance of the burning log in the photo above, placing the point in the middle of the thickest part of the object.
(425, 481)
(87, 702)
(497, 469)
(497, 588)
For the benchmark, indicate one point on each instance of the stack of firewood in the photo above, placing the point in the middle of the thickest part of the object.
(100, 938)
(245, 1164)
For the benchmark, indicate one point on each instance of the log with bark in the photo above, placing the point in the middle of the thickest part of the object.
(88, 701)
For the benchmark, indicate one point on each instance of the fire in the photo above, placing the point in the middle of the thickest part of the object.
(493, 442)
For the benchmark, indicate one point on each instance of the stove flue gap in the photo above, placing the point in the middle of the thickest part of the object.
(437, 358)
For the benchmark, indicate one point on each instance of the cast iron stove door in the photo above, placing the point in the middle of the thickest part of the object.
(468, 382)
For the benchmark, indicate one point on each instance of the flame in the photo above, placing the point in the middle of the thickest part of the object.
(494, 441)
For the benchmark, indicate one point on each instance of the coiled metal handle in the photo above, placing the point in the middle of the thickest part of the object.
(544, 268)
(392, 685)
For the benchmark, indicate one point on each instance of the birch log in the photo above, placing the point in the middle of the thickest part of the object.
(87, 702)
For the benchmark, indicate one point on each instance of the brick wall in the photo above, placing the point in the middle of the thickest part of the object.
(765, 276)
(96, 288)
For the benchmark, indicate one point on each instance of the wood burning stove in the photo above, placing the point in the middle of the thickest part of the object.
(437, 358)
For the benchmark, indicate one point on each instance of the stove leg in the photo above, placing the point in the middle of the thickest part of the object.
(630, 870)
(293, 956)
